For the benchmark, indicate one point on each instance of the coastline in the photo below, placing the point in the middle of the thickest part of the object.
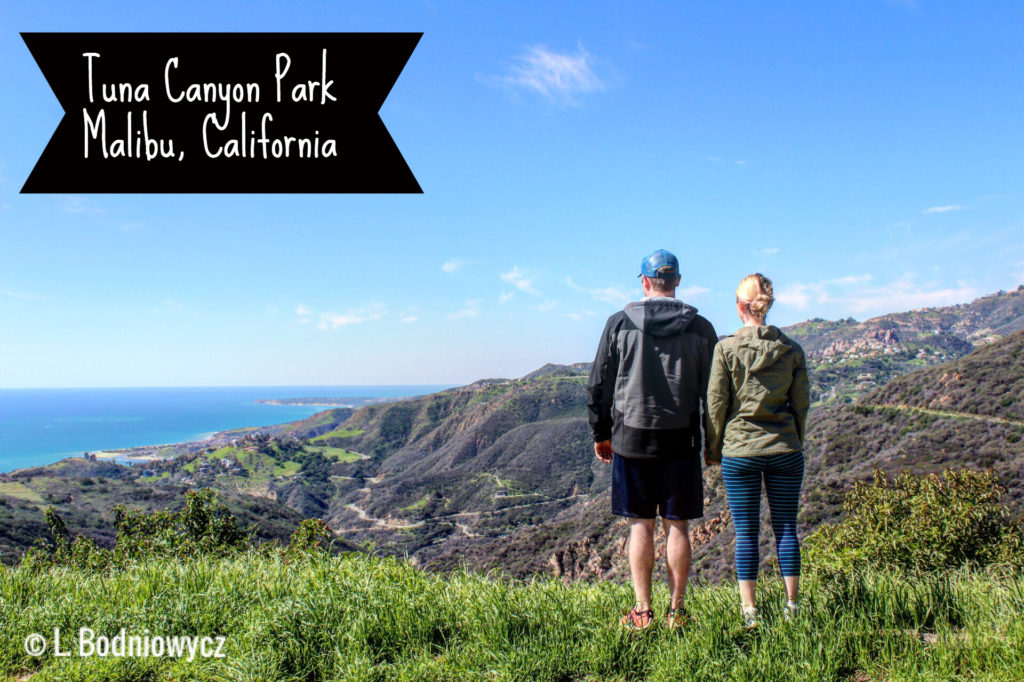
(129, 456)
(133, 425)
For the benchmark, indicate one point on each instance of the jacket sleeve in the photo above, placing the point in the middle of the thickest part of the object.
(800, 395)
(601, 386)
(706, 360)
(719, 389)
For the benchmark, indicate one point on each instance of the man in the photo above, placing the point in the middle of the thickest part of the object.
(646, 388)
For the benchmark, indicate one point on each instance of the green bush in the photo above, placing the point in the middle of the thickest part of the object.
(311, 537)
(203, 528)
(920, 523)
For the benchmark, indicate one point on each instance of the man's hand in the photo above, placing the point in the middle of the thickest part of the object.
(603, 451)
(707, 459)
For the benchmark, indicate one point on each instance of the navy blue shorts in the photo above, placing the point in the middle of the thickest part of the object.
(644, 488)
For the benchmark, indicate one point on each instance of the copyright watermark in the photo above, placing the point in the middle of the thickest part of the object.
(86, 643)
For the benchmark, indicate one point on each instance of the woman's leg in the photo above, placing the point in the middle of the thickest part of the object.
(783, 477)
(742, 478)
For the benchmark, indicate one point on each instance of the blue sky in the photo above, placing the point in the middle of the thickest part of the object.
(867, 156)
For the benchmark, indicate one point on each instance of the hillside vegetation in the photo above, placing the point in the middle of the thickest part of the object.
(500, 475)
(297, 612)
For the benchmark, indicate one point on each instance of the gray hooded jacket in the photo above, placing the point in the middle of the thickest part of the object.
(650, 377)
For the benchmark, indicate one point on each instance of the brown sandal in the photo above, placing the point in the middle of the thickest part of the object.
(678, 617)
(637, 619)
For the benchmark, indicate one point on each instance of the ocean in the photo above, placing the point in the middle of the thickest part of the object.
(41, 426)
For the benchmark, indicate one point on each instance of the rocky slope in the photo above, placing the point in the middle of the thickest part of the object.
(500, 474)
(848, 358)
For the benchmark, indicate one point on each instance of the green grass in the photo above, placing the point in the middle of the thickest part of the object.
(289, 468)
(336, 433)
(150, 479)
(19, 491)
(226, 451)
(364, 618)
(337, 454)
(418, 504)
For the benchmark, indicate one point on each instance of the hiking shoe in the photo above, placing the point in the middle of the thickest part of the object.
(791, 611)
(750, 617)
(678, 617)
(637, 619)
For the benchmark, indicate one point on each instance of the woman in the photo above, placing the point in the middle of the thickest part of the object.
(758, 397)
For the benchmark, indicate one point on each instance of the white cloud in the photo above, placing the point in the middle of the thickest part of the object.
(173, 305)
(719, 160)
(800, 296)
(371, 312)
(453, 265)
(796, 296)
(556, 76)
(410, 318)
(302, 311)
(547, 305)
(766, 252)
(850, 279)
(19, 294)
(614, 295)
(471, 309)
(691, 292)
(906, 294)
(581, 315)
(75, 205)
(944, 209)
(520, 280)
(857, 294)
(506, 296)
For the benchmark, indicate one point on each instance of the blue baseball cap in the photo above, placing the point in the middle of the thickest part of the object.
(660, 264)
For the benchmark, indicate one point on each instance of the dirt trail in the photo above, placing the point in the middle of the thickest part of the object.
(394, 524)
(942, 413)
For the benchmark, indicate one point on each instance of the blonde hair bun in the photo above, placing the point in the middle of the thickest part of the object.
(756, 291)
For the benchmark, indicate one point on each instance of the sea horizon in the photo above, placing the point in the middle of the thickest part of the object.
(40, 426)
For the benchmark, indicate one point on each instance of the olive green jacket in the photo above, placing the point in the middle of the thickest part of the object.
(758, 395)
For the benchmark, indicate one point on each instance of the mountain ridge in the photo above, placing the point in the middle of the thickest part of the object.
(500, 474)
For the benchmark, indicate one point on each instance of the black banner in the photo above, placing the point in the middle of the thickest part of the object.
(221, 112)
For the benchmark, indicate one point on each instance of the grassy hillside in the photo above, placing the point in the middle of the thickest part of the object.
(986, 383)
(502, 475)
(84, 493)
(364, 618)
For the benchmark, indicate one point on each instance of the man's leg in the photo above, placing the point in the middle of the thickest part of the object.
(641, 560)
(677, 557)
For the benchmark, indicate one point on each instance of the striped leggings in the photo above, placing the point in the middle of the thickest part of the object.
(782, 475)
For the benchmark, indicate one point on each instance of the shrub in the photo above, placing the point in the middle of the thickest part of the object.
(311, 537)
(203, 528)
(920, 523)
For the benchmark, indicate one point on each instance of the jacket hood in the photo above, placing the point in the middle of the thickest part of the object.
(659, 316)
(766, 344)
